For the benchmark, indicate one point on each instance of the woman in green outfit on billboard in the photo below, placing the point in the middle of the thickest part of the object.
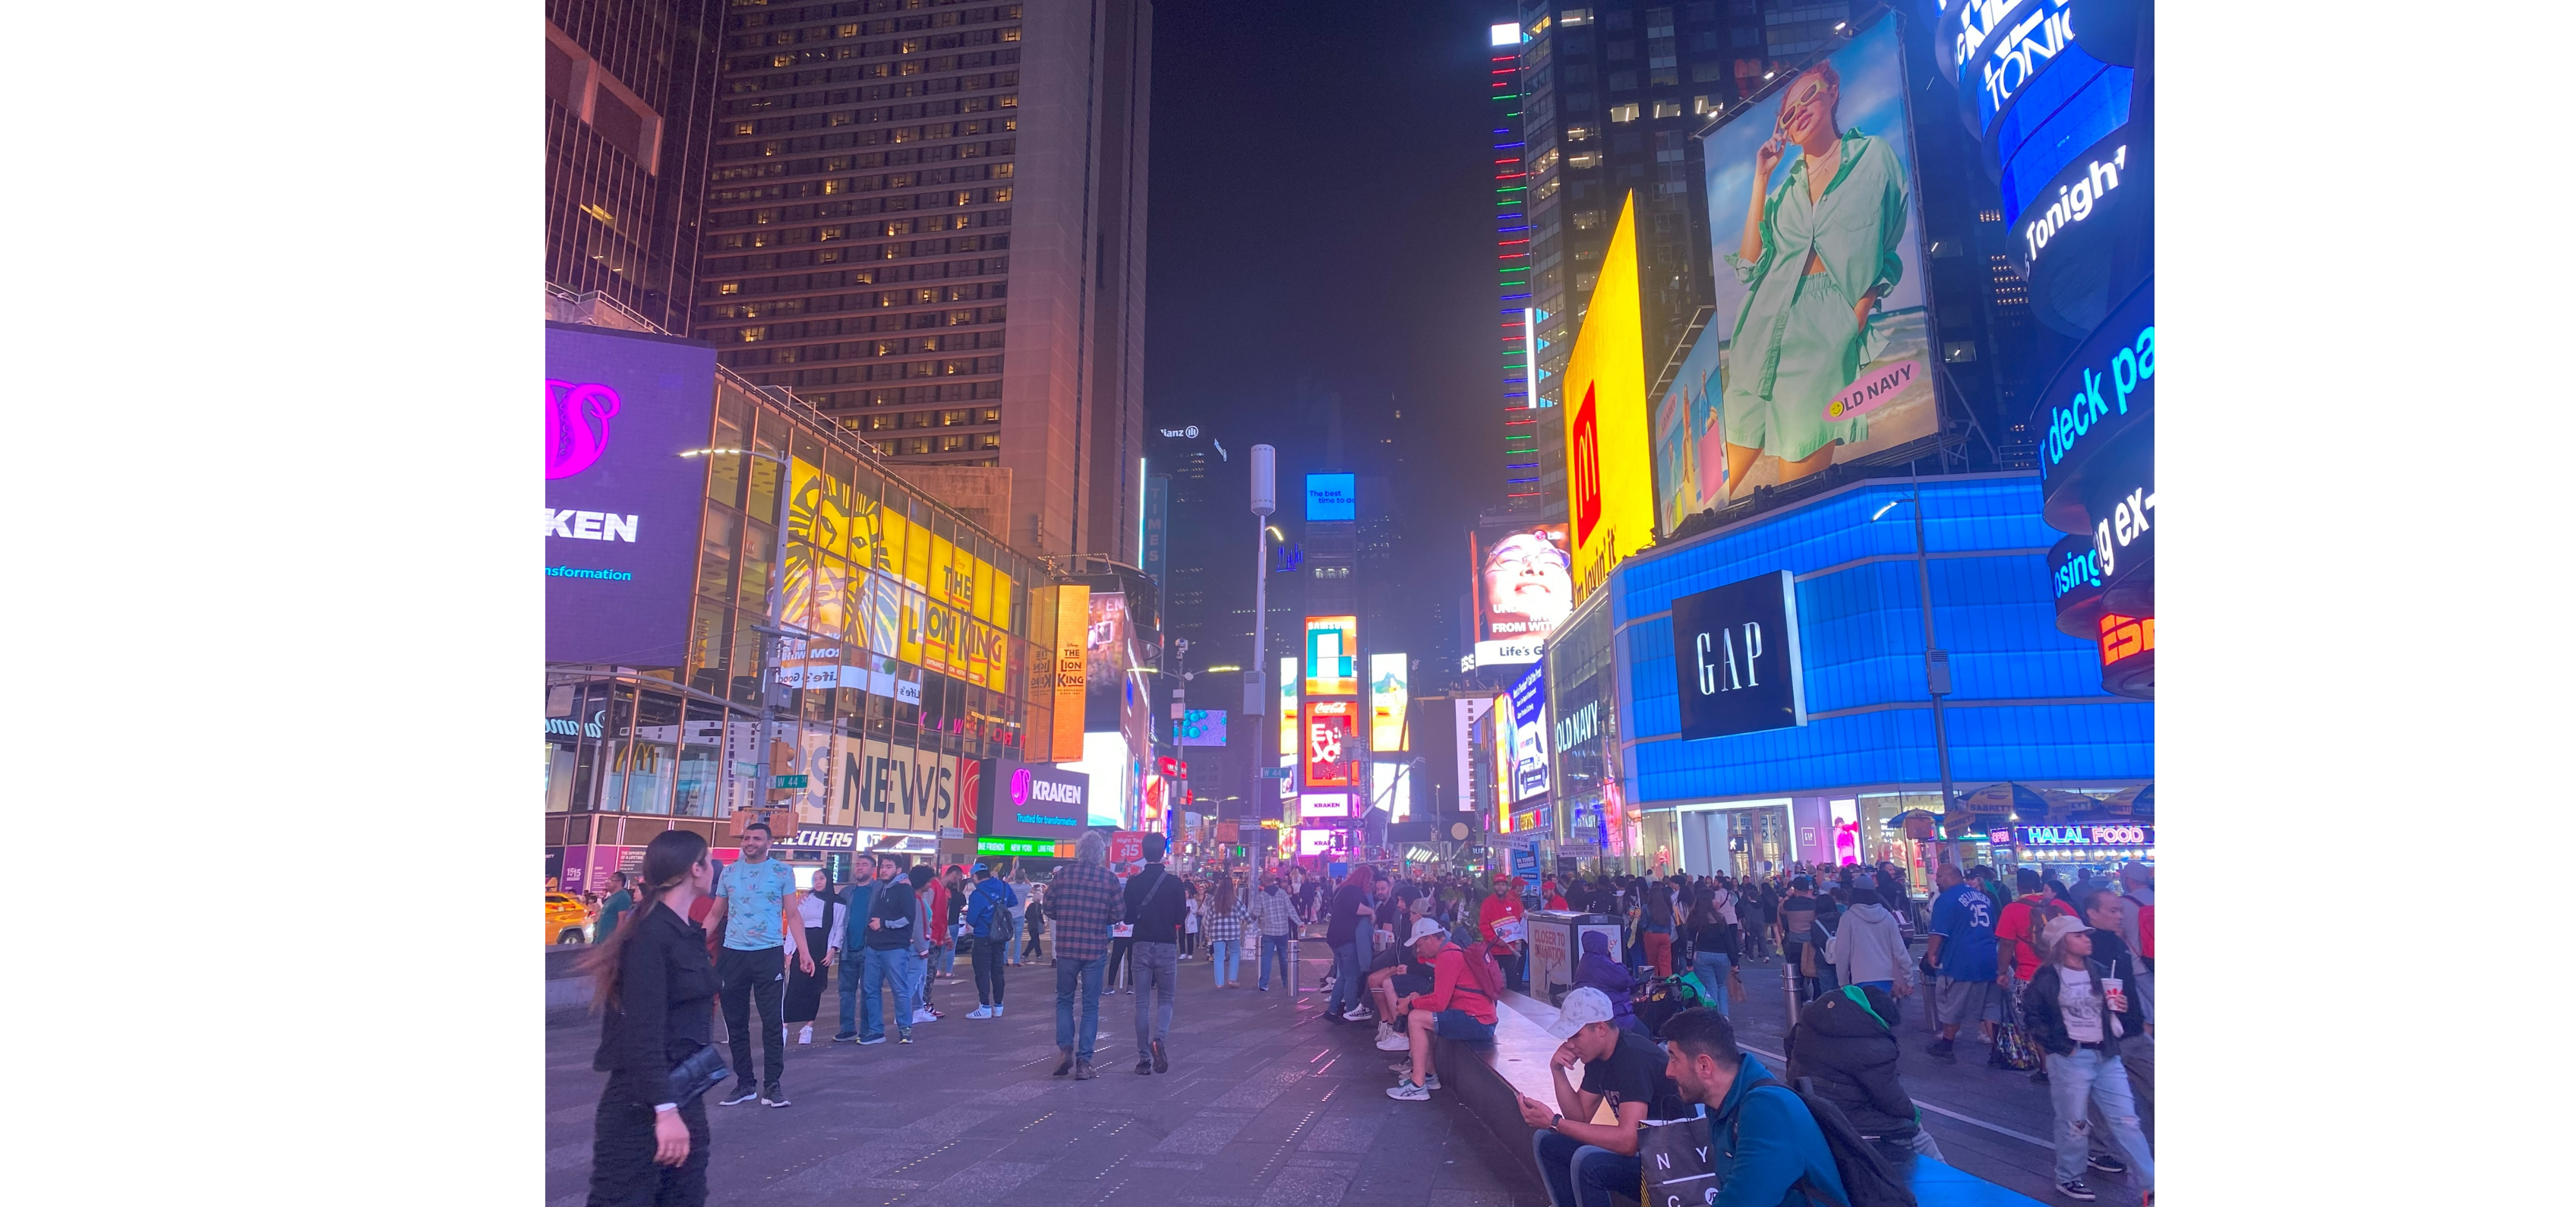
(1818, 253)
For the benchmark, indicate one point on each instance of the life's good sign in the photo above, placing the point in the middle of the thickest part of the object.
(1735, 658)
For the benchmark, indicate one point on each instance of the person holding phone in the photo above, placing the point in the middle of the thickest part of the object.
(656, 988)
(1584, 1162)
(1817, 255)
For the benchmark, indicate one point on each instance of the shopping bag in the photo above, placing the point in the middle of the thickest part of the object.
(1675, 1165)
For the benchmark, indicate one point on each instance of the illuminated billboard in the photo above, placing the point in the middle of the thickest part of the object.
(1332, 652)
(1608, 470)
(622, 505)
(1391, 789)
(1323, 805)
(1328, 729)
(1524, 588)
(1390, 693)
(1825, 352)
(1690, 450)
(1331, 497)
(1072, 662)
(1199, 727)
(1528, 736)
(1288, 705)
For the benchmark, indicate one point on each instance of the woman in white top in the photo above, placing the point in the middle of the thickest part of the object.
(1190, 927)
(820, 912)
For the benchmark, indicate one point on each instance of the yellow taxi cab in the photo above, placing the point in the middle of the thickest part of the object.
(567, 919)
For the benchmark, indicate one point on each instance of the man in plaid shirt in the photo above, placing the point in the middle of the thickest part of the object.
(1082, 899)
(1278, 914)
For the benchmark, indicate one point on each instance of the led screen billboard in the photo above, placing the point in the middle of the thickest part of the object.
(1108, 655)
(1288, 705)
(1200, 727)
(1529, 735)
(1328, 730)
(1331, 497)
(1332, 654)
(1390, 693)
(1735, 658)
(622, 504)
(1690, 451)
(1524, 588)
(1608, 455)
(1825, 351)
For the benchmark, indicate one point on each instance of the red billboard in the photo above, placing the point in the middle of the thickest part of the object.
(1328, 727)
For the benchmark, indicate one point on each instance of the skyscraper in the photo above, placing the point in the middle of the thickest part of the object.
(630, 95)
(928, 218)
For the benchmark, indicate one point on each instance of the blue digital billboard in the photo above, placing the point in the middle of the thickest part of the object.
(1332, 497)
(2026, 700)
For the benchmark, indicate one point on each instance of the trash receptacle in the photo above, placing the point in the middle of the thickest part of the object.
(1556, 945)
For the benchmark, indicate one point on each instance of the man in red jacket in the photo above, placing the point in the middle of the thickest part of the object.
(1458, 1008)
(1502, 905)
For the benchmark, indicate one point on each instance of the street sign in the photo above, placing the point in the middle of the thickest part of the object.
(787, 781)
(1274, 773)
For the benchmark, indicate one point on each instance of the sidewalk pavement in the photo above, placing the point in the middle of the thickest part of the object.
(1261, 1109)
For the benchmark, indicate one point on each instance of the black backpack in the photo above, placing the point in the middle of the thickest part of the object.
(1867, 1177)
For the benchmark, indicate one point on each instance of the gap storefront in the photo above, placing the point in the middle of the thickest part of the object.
(1791, 721)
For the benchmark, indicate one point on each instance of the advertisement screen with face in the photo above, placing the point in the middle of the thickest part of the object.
(1825, 352)
(622, 505)
(1524, 588)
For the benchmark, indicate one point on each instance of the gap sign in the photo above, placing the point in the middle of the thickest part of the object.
(1735, 654)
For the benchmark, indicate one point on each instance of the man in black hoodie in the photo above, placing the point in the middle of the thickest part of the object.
(1846, 1041)
(1156, 903)
(895, 952)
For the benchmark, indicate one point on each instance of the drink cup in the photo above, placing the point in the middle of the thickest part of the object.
(2116, 993)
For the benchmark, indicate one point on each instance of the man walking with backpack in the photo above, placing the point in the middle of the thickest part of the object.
(988, 913)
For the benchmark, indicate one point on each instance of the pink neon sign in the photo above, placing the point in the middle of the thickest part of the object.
(576, 425)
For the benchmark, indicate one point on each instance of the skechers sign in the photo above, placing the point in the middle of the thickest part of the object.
(622, 505)
(1735, 653)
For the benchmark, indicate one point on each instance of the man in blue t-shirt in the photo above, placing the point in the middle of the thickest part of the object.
(754, 913)
(1963, 949)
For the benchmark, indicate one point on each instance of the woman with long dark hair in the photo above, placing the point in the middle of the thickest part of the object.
(656, 989)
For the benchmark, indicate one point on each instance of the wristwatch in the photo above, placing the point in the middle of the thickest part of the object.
(1554, 1119)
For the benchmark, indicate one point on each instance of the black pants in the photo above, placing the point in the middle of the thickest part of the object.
(988, 970)
(1118, 960)
(622, 1172)
(754, 980)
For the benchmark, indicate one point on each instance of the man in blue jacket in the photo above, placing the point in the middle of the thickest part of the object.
(988, 911)
(1764, 1144)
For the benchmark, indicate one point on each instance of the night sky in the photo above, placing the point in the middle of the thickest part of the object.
(1320, 220)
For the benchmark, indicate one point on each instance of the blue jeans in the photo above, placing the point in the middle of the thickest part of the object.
(883, 968)
(1711, 969)
(945, 954)
(2089, 1078)
(1158, 971)
(1069, 976)
(1011, 950)
(1348, 991)
(853, 967)
(1277, 946)
(1579, 1175)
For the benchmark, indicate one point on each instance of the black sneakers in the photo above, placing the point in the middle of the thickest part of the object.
(1162, 1062)
(2106, 1163)
(2074, 1188)
(1943, 1050)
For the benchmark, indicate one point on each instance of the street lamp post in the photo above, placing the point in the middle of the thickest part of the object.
(1936, 661)
(1256, 676)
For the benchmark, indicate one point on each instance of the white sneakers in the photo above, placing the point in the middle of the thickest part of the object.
(1391, 1040)
(981, 1012)
(997, 1010)
(924, 1016)
(806, 1036)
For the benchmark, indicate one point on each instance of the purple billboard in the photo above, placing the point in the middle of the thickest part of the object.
(622, 505)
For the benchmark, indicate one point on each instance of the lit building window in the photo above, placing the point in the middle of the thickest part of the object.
(1624, 113)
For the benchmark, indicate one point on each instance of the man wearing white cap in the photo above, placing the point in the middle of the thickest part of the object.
(1582, 1162)
(1460, 1007)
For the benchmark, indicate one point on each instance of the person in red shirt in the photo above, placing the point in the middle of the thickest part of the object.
(1459, 1008)
(1504, 904)
(2017, 958)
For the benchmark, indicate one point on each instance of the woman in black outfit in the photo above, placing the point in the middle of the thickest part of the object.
(657, 989)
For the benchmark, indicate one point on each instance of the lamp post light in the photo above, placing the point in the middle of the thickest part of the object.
(1936, 661)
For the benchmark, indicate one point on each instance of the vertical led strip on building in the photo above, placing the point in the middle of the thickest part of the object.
(1511, 247)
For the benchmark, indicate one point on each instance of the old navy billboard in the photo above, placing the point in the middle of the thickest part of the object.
(622, 504)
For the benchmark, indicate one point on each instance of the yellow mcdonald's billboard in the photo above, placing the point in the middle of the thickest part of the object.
(1609, 454)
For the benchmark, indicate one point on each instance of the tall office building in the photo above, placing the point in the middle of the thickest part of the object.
(1512, 266)
(630, 97)
(928, 219)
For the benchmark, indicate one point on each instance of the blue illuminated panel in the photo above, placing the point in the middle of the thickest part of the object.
(2052, 141)
(1861, 637)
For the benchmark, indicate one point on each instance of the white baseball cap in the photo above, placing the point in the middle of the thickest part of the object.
(1425, 928)
(1582, 1007)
